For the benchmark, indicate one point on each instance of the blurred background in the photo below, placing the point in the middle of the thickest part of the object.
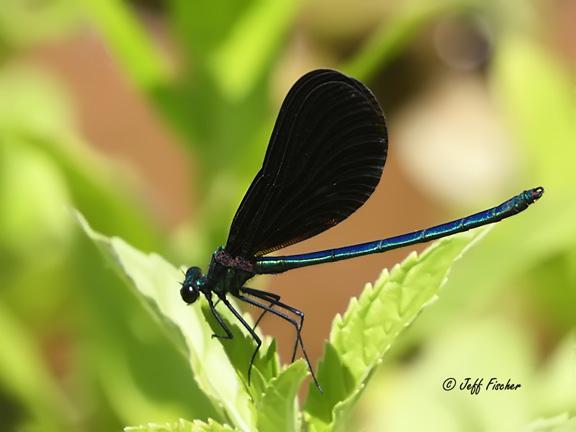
(151, 117)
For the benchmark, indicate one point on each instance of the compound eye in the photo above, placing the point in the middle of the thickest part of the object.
(189, 294)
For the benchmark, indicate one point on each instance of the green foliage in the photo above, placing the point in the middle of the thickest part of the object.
(547, 134)
(124, 35)
(154, 280)
(23, 373)
(358, 340)
(389, 41)
(561, 423)
(81, 352)
(219, 368)
(246, 52)
(181, 426)
(470, 349)
(23, 24)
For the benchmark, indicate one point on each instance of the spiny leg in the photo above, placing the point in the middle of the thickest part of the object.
(271, 297)
(291, 321)
(264, 296)
(220, 321)
(247, 327)
(276, 302)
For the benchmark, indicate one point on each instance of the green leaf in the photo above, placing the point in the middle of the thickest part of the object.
(268, 403)
(24, 375)
(36, 115)
(395, 34)
(360, 338)
(555, 386)
(34, 103)
(181, 426)
(156, 283)
(240, 350)
(246, 51)
(31, 222)
(560, 423)
(479, 346)
(128, 40)
(277, 408)
(537, 96)
(23, 24)
(200, 27)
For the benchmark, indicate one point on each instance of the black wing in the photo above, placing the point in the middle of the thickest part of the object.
(324, 159)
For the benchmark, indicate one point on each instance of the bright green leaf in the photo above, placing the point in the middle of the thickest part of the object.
(25, 23)
(200, 26)
(251, 44)
(128, 40)
(555, 386)
(240, 349)
(479, 348)
(156, 283)
(277, 408)
(537, 95)
(560, 423)
(32, 102)
(32, 219)
(35, 113)
(26, 377)
(181, 426)
(360, 338)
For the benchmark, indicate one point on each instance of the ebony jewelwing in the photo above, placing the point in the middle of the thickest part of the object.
(324, 160)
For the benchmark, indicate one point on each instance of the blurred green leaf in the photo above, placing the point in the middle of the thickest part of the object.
(181, 426)
(479, 348)
(34, 104)
(555, 270)
(156, 283)
(124, 358)
(359, 339)
(33, 225)
(35, 114)
(537, 96)
(251, 45)
(395, 34)
(24, 374)
(23, 23)
(273, 393)
(513, 248)
(128, 40)
(555, 385)
(201, 25)
(560, 423)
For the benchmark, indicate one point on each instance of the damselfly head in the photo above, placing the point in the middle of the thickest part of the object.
(193, 282)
